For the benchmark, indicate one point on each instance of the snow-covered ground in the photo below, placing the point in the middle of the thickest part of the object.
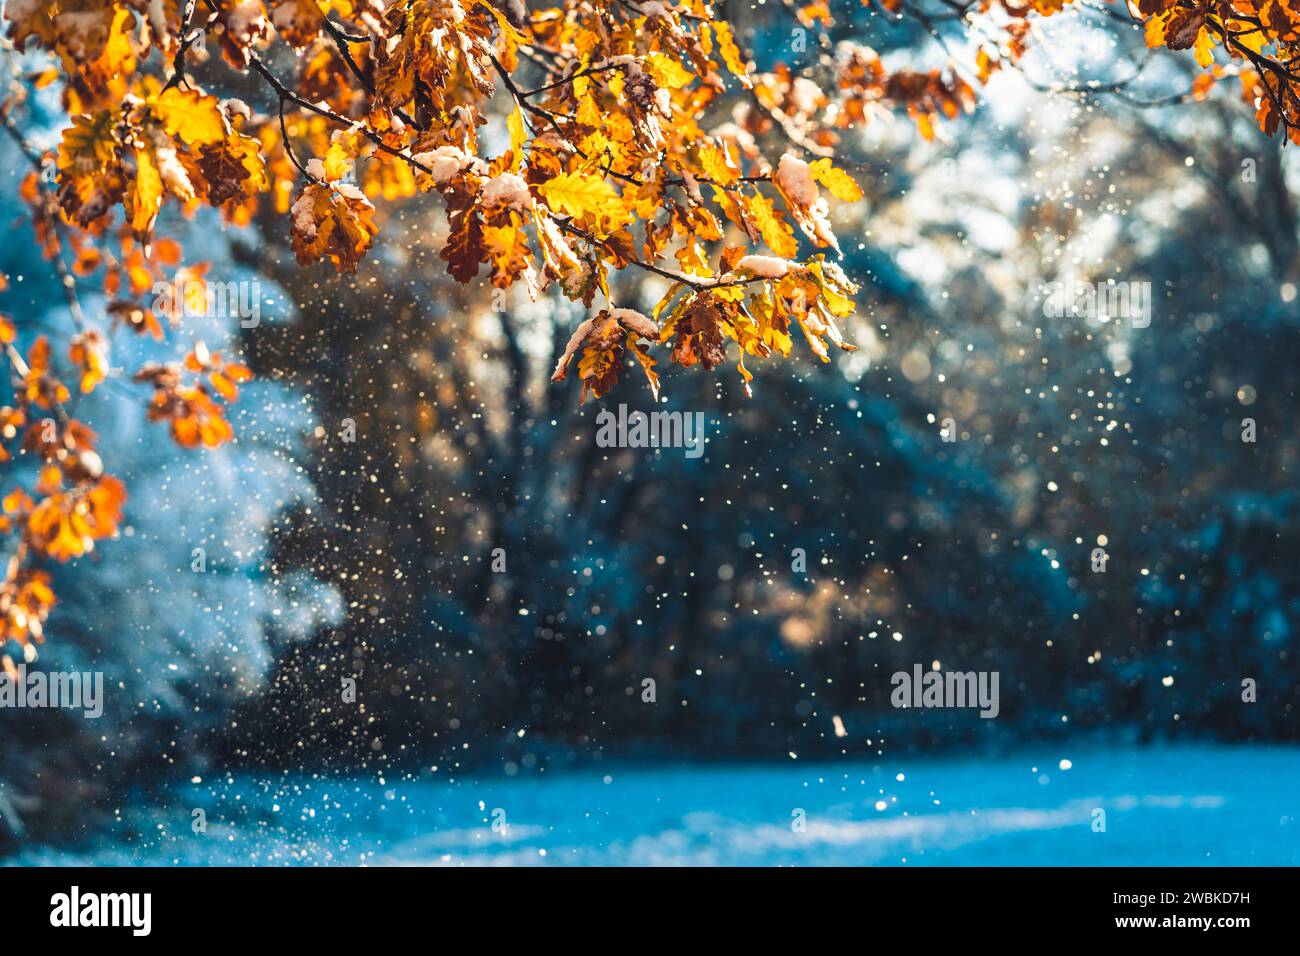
(1177, 806)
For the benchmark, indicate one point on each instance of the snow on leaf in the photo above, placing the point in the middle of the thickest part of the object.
(332, 222)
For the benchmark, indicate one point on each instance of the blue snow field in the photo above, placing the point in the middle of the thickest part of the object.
(1200, 805)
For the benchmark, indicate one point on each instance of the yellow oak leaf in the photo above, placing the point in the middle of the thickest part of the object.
(339, 157)
(730, 52)
(90, 142)
(840, 183)
(588, 112)
(518, 138)
(1154, 30)
(511, 257)
(1243, 33)
(193, 116)
(582, 196)
(146, 195)
(668, 72)
(778, 236)
(1203, 48)
(716, 166)
(334, 222)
